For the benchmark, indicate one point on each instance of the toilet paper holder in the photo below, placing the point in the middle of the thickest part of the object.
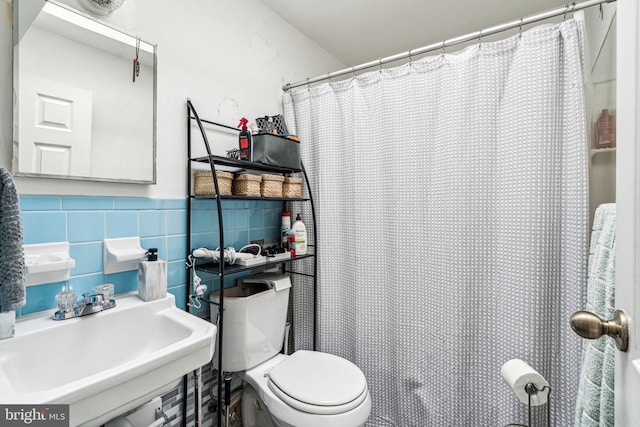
(532, 389)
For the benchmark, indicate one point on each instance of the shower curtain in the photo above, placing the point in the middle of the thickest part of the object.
(451, 203)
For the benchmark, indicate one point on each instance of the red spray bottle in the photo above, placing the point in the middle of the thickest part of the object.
(245, 140)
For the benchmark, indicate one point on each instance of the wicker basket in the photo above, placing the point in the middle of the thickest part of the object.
(204, 183)
(246, 184)
(292, 188)
(271, 185)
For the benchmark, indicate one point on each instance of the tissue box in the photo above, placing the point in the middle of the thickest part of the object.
(276, 150)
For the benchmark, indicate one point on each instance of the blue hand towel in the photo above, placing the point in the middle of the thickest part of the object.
(594, 405)
(12, 272)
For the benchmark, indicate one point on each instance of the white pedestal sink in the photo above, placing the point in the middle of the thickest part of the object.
(104, 364)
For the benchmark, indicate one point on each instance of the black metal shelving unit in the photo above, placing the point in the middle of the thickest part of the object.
(221, 268)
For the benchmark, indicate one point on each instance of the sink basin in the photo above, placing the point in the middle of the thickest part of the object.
(104, 364)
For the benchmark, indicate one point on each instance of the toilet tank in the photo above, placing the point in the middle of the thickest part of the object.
(255, 316)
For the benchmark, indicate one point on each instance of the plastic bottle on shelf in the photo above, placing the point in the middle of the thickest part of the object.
(245, 140)
(301, 235)
(292, 243)
(606, 130)
(284, 229)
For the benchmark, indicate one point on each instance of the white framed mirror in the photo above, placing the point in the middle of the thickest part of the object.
(78, 111)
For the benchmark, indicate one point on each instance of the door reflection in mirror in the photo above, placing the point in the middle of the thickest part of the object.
(78, 113)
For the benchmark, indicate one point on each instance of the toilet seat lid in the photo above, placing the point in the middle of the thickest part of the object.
(318, 382)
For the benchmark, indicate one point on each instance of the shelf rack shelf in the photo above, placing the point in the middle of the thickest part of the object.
(595, 151)
(244, 164)
(213, 267)
(266, 199)
(223, 269)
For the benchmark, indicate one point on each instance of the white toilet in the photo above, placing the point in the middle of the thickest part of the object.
(305, 389)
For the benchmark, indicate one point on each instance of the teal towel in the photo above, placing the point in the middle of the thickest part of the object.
(594, 406)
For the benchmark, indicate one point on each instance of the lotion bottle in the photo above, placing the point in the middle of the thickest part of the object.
(300, 231)
(606, 130)
(152, 277)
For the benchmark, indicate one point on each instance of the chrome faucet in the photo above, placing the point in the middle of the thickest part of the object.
(88, 304)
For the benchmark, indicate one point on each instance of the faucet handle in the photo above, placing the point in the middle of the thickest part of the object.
(66, 300)
(106, 290)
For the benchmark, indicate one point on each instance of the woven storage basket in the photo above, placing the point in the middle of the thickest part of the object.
(271, 185)
(292, 187)
(246, 185)
(204, 183)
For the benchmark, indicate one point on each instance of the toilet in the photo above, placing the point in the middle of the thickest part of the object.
(304, 389)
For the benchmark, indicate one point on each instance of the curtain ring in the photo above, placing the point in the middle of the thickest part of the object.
(566, 9)
(573, 8)
(480, 39)
(410, 58)
(353, 71)
(380, 65)
(520, 30)
(443, 42)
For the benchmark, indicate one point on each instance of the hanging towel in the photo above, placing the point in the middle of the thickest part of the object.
(12, 273)
(594, 406)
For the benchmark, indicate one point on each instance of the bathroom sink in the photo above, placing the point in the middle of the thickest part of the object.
(104, 364)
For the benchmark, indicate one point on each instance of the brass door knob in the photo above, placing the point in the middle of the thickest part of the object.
(591, 326)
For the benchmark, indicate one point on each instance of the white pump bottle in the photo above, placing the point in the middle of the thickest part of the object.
(300, 230)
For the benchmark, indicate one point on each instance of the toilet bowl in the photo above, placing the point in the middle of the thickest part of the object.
(304, 389)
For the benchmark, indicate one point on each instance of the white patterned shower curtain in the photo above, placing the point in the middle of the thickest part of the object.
(451, 202)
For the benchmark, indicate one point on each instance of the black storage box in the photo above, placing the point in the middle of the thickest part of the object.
(276, 150)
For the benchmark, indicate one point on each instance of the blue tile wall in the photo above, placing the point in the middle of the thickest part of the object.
(85, 226)
(84, 221)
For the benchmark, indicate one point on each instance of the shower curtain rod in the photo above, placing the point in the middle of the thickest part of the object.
(569, 7)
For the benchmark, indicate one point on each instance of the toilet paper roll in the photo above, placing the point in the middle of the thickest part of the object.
(517, 374)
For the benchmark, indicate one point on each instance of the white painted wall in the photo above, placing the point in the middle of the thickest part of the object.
(231, 57)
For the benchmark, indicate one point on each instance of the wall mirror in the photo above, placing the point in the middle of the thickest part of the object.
(78, 111)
